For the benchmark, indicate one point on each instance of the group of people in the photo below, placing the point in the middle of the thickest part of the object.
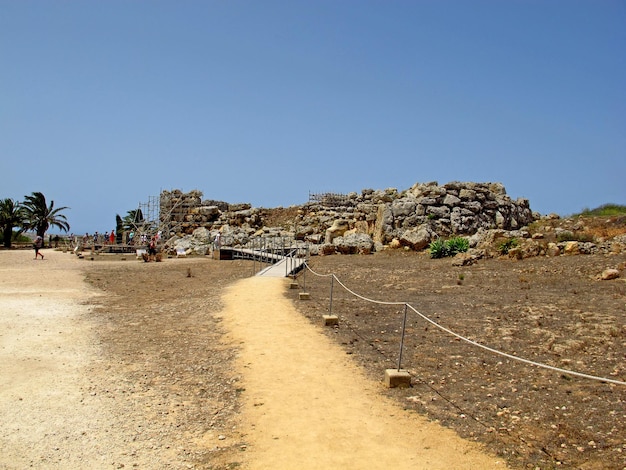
(99, 239)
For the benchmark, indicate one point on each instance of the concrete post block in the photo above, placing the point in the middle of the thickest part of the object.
(294, 285)
(330, 320)
(304, 296)
(397, 378)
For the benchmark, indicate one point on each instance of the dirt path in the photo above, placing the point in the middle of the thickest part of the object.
(308, 406)
(66, 403)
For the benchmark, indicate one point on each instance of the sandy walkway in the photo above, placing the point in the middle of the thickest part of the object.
(45, 351)
(307, 406)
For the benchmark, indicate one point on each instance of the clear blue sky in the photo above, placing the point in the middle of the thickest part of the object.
(105, 103)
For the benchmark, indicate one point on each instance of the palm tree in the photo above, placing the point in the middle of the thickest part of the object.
(11, 215)
(133, 219)
(119, 229)
(39, 216)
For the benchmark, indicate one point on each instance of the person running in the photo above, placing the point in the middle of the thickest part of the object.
(38, 245)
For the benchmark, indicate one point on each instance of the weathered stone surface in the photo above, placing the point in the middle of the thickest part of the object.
(467, 194)
(403, 208)
(451, 200)
(202, 235)
(553, 249)
(439, 212)
(337, 229)
(354, 243)
(571, 248)
(609, 274)
(417, 238)
(468, 258)
(326, 249)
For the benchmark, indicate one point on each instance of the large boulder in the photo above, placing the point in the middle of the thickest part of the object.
(202, 235)
(417, 238)
(337, 229)
(354, 243)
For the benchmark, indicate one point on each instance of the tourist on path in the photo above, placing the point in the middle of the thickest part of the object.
(38, 245)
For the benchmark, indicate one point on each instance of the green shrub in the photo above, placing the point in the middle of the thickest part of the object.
(440, 248)
(505, 246)
(457, 245)
(565, 236)
(568, 236)
(606, 210)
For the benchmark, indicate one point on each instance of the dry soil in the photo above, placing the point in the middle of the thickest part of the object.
(189, 363)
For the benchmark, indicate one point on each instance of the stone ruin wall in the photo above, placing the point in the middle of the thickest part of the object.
(424, 211)
(182, 213)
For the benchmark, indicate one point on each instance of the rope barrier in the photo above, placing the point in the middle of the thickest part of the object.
(516, 358)
(469, 341)
(380, 302)
(317, 274)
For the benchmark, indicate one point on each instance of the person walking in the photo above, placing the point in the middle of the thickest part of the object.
(112, 237)
(38, 245)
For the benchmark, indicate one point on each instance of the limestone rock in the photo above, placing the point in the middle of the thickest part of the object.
(337, 229)
(354, 243)
(553, 250)
(417, 238)
(571, 248)
(202, 235)
(609, 274)
(327, 249)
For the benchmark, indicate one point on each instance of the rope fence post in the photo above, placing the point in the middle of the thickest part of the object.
(402, 338)
(330, 319)
(398, 377)
(304, 295)
(253, 256)
(330, 305)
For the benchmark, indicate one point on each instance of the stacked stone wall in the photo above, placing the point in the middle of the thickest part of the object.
(452, 209)
(409, 218)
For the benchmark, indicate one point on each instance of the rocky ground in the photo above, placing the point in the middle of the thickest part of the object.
(554, 311)
(174, 375)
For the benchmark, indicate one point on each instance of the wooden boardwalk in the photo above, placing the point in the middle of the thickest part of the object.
(283, 268)
(280, 265)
